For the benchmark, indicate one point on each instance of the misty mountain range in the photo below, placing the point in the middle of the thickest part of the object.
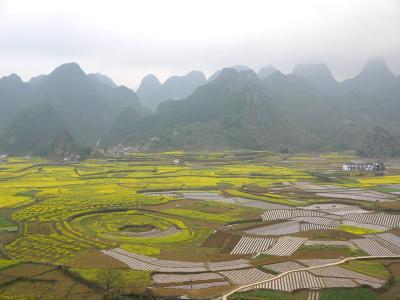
(234, 108)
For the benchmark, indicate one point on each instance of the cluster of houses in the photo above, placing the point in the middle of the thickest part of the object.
(123, 150)
(71, 158)
(3, 158)
(364, 166)
(120, 150)
(177, 161)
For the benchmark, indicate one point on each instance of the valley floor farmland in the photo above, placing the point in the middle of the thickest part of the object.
(210, 224)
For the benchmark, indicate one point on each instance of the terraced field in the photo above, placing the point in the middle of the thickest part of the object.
(213, 223)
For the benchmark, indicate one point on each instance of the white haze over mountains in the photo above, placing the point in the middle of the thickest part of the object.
(129, 39)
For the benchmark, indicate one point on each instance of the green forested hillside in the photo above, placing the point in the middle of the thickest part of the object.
(236, 108)
(239, 110)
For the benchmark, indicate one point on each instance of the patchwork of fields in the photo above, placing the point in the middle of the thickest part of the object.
(212, 223)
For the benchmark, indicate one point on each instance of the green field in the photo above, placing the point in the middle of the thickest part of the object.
(262, 294)
(349, 294)
(368, 268)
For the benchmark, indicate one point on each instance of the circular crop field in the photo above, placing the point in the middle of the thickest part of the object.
(131, 226)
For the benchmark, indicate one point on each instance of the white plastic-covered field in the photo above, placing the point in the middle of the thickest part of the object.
(249, 245)
(329, 243)
(372, 247)
(284, 266)
(283, 214)
(336, 209)
(310, 226)
(228, 265)
(217, 197)
(374, 284)
(365, 225)
(313, 295)
(332, 282)
(159, 262)
(323, 217)
(319, 221)
(286, 245)
(291, 282)
(390, 237)
(324, 277)
(171, 278)
(332, 191)
(384, 244)
(318, 261)
(198, 286)
(146, 263)
(339, 272)
(384, 219)
(282, 228)
(308, 186)
(354, 196)
(265, 205)
(210, 196)
(132, 262)
(388, 240)
(246, 276)
(162, 194)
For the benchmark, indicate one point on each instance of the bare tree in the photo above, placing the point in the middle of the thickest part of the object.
(110, 278)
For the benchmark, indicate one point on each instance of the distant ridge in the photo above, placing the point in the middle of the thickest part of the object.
(103, 79)
(318, 74)
(266, 71)
(307, 110)
(66, 98)
(175, 87)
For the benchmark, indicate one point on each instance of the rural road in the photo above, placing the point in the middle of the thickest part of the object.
(225, 296)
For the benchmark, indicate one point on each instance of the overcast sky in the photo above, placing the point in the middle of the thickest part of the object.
(129, 39)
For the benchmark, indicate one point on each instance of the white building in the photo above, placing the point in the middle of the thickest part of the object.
(364, 166)
(3, 158)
